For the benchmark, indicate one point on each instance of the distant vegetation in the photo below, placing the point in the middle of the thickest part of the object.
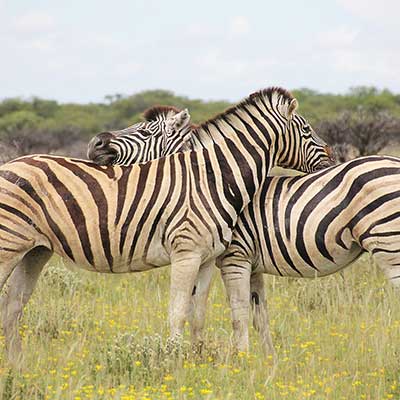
(46, 126)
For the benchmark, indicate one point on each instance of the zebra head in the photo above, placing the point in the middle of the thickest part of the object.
(166, 130)
(301, 148)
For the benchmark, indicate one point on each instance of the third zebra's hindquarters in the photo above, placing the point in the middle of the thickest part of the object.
(312, 226)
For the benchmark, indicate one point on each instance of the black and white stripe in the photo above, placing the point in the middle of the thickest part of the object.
(178, 210)
(312, 226)
(166, 130)
(313, 155)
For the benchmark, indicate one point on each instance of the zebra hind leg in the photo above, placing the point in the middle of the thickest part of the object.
(18, 290)
(260, 314)
(200, 293)
(237, 284)
(389, 262)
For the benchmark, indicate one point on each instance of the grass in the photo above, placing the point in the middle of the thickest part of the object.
(89, 336)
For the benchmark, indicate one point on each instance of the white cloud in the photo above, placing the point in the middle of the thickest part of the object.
(357, 58)
(102, 41)
(51, 53)
(216, 65)
(348, 61)
(382, 12)
(127, 69)
(338, 38)
(239, 25)
(199, 30)
(34, 22)
(42, 45)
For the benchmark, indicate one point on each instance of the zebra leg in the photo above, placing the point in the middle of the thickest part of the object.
(19, 289)
(389, 262)
(382, 244)
(260, 314)
(184, 270)
(200, 293)
(7, 266)
(237, 284)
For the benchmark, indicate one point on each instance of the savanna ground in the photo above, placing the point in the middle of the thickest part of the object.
(93, 336)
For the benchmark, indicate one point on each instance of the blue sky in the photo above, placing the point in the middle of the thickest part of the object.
(83, 50)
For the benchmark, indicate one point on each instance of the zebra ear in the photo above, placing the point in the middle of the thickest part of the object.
(180, 120)
(183, 118)
(292, 108)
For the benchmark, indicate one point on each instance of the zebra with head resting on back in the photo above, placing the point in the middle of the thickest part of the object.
(166, 130)
(314, 155)
(311, 226)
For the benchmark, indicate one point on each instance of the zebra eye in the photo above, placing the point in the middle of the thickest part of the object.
(307, 129)
(144, 132)
(171, 132)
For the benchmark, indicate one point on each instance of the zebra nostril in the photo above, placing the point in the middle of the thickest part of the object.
(99, 143)
(102, 140)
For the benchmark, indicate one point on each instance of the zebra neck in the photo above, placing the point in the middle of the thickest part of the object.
(243, 141)
(238, 154)
(246, 135)
(244, 126)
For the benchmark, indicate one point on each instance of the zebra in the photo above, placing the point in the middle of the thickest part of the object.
(166, 130)
(179, 210)
(323, 159)
(18, 202)
(311, 226)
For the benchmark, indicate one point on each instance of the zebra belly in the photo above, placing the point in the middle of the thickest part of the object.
(96, 256)
(301, 269)
(120, 264)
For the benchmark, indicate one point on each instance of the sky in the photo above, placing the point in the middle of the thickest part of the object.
(83, 50)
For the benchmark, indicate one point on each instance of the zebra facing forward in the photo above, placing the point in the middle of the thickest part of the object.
(178, 211)
(311, 226)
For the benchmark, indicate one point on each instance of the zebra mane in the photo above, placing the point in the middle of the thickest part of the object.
(268, 92)
(155, 112)
(253, 100)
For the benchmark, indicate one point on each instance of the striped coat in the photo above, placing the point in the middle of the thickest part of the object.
(178, 210)
(166, 130)
(311, 226)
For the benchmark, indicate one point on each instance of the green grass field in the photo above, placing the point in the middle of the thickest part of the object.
(92, 336)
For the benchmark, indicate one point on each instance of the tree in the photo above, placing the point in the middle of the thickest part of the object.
(44, 108)
(11, 105)
(24, 132)
(345, 152)
(367, 131)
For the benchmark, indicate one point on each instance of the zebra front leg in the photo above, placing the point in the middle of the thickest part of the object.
(260, 314)
(237, 284)
(9, 262)
(19, 289)
(184, 271)
(200, 293)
